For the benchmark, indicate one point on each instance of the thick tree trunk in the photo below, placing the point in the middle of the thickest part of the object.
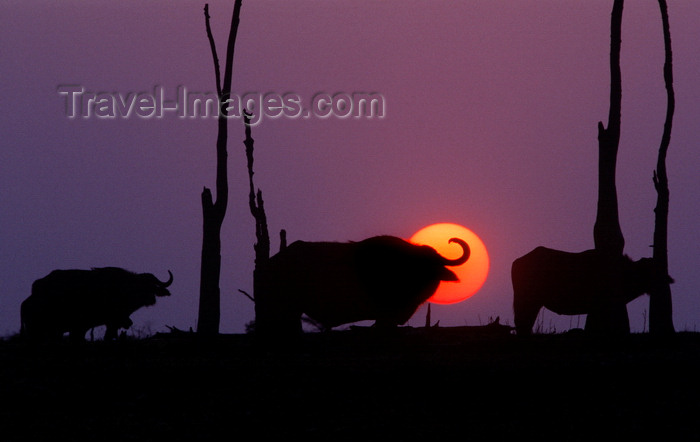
(214, 211)
(209, 293)
(607, 234)
(660, 306)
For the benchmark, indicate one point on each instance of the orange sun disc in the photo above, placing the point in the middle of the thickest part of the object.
(471, 274)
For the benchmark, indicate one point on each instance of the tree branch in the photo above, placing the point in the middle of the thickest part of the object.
(217, 70)
(247, 295)
(228, 73)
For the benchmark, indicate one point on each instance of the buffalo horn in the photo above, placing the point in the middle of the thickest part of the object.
(465, 254)
(169, 281)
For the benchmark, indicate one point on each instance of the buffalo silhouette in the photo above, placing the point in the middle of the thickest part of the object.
(576, 283)
(75, 301)
(383, 278)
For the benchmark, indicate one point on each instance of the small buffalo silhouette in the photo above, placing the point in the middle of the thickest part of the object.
(383, 278)
(75, 301)
(576, 283)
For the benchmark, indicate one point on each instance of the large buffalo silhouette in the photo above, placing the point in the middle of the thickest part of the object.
(75, 301)
(382, 278)
(575, 283)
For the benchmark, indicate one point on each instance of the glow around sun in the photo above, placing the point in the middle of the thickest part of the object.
(472, 274)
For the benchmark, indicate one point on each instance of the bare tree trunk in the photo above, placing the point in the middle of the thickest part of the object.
(214, 211)
(283, 239)
(607, 234)
(256, 203)
(660, 306)
(262, 236)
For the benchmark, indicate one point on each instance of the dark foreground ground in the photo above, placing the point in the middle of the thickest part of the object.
(415, 384)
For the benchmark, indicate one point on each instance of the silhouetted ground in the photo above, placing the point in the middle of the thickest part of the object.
(412, 384)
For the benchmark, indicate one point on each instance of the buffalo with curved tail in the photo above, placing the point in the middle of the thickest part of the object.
(75, 301)
(577, 283)
(383, 278)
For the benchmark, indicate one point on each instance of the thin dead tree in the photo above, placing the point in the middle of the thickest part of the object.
(262, 236)
(660, 306)
(214, 211)
(607, 234)
(255, 202)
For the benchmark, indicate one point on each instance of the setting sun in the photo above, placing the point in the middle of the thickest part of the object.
(472, 274)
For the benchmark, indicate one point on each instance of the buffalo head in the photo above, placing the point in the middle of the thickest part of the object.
(149, 287)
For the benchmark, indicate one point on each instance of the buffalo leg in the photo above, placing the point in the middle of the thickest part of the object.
(609, 320)
(525, 315)
(111, 332)
(77, 335)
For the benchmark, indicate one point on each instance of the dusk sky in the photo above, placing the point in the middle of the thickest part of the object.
(490, 121)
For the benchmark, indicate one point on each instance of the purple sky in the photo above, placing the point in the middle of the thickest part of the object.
(491, 115)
